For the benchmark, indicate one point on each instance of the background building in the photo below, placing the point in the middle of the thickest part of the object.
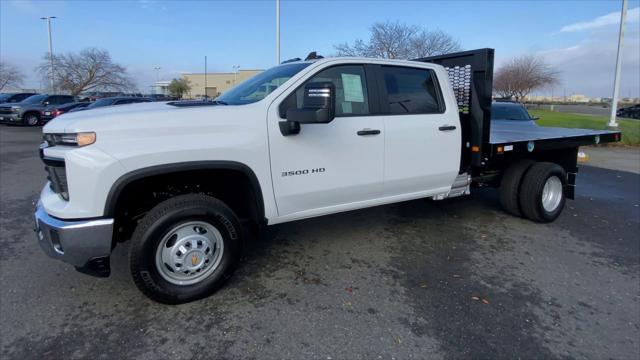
(161, 87)
(217, 83)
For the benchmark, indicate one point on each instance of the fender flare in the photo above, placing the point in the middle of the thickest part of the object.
(128, 178)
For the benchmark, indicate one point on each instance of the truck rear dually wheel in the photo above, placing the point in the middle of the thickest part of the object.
(510, 186)
(185, 248)
(542, 192)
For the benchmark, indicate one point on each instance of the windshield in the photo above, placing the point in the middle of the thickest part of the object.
(509, 112)
(4, 97)
(261, 85)
(35, 99)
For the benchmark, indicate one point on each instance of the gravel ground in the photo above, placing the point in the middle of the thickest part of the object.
(421, 279)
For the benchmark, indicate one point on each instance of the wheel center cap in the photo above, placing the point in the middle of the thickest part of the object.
(194, 259)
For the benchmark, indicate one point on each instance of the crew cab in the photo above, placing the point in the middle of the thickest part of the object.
(189, 182)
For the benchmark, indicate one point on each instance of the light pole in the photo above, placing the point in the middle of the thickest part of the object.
(235, 73)
(155, 86)
(48, 18)
(277, 32)
(616, 81)
(205, 77)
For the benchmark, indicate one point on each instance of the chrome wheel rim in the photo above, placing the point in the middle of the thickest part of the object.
(189, 253)
(32, 120)
(552, 194)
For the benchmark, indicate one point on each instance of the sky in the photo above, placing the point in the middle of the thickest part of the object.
(578, 38)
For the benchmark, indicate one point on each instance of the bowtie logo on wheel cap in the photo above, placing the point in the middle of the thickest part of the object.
(194, 259)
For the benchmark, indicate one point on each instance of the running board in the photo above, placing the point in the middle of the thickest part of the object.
(461, 186)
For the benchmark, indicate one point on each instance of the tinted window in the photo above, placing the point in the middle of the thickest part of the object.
(58, 99)
(35, 99)
(67, 99)
(20, 97)
(100, 103)
(351, 89)
(509, 112)
(410, 90)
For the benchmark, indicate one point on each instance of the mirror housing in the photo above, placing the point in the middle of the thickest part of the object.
(318, 107)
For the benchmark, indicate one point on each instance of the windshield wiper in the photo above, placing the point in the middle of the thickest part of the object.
(220, 102)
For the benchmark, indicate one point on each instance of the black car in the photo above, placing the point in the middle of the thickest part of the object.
(116, 100)
(160, 97)
(52, 111)
(631, 112)
(14, 97)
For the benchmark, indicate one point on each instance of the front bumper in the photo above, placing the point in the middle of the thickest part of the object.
(10, 118)
(85, 244)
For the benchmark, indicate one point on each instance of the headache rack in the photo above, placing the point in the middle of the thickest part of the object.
(471, 77)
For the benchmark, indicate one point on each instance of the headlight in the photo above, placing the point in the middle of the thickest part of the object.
(71, 139)
(15, 108)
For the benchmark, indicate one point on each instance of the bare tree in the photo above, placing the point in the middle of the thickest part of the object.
(10, 76)
(394, 40)
(521, 75)
(91, 69)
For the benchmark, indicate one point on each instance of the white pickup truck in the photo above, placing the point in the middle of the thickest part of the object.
(188, 182)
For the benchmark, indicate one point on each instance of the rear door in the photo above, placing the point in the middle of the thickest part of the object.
(422, 141)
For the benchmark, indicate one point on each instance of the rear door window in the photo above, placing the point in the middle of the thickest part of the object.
(410, 91)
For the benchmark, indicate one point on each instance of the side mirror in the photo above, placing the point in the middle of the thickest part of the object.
(318, 107)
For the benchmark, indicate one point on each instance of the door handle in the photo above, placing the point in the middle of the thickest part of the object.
(447, 128)
(365, 132)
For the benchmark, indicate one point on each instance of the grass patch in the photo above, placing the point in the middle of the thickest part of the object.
(630, 128)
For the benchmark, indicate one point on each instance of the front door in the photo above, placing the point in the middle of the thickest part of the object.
(328, 167)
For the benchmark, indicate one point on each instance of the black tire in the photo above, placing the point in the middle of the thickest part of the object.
(31, 119)
(510, 186)
(531, 191)
(158, 222)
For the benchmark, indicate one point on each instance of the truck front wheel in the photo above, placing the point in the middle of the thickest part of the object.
(542, 192)
(185, 248)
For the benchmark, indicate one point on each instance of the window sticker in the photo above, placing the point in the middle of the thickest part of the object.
(347, 108)
(352, 84)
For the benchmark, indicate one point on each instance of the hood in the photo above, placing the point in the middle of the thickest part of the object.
(145, 117)
(12, 104)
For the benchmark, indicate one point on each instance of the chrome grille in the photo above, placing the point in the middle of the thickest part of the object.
(6, 110)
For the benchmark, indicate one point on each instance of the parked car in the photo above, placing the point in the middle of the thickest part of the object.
(52, 111)
(631, 112)
(95, 95)
(159, 97)
(110, 101)
(6, 98)
(28, 112)
(181, 180)
(510, 112)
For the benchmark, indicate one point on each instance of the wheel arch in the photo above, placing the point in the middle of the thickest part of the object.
(121, 184)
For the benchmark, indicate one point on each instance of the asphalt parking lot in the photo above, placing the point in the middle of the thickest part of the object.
(421, 279)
